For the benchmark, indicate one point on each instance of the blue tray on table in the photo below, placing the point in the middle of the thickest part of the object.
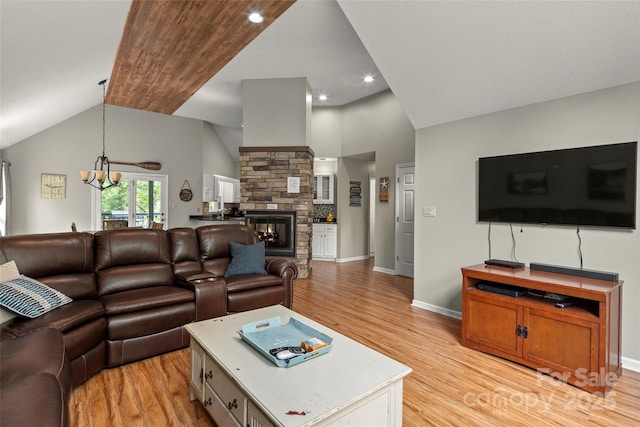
(268, 334)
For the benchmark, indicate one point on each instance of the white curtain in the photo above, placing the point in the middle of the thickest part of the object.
(5, 198)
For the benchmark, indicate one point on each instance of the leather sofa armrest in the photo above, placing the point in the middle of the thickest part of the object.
(288, 270)
(284, 268)
(196, 276)
(210, 293)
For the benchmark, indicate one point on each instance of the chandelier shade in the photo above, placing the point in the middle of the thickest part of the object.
(101, 176)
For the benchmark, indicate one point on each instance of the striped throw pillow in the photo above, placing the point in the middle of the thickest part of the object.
(30, 298)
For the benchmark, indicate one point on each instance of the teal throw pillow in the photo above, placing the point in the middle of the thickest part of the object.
(246, 259)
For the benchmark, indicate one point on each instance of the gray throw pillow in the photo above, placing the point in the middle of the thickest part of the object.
(246, 259)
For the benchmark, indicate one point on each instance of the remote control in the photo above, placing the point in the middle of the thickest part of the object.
(564, 304)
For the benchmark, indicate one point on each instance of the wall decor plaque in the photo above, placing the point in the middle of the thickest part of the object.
(53, 186)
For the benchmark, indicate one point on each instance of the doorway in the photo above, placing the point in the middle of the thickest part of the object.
(405, 184)
(137, 201)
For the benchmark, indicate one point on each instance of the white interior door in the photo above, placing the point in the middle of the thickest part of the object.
(139, 199)
(405, 219)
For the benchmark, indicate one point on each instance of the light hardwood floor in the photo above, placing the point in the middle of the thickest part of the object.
(449, 385)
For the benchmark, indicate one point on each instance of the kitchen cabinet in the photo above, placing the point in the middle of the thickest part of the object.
(214, 186)
(579, 344)
(323, 188)
(325, 242)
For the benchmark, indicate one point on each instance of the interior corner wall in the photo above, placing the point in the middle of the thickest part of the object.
(68, 147)
(216, 159)
(446, 178)
(353, 238)
(379, 124)
(326, 132)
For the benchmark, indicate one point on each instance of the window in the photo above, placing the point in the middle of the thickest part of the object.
(137, 201)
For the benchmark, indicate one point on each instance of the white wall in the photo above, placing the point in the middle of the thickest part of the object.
(131, 135)
(446, 170)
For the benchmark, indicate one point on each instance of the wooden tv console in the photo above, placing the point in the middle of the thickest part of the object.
(579, 344)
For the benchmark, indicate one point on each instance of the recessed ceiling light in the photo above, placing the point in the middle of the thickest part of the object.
(368, 78)
(322, 97)
(255, 17)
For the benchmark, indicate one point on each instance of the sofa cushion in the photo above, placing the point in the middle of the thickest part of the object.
(144, 299)
(246, 259)
(30, 298)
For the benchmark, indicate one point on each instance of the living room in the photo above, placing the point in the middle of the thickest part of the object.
(445, 155)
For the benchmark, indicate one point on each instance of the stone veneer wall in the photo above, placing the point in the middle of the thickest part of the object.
(263, 180)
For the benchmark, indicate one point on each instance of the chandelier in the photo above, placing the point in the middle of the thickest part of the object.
(99, 177)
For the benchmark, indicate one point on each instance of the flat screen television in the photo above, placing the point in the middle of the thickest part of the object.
(590, 186)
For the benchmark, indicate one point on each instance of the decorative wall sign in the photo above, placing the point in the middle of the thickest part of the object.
(384, 189)
(355, 193)
(185, 192)
(293, 184)
(53, 186)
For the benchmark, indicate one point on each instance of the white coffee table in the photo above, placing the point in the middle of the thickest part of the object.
(352, 384)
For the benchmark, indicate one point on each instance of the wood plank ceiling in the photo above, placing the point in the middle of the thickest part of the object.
(170, 49)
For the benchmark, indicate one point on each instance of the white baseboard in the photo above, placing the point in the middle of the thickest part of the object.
(437, 309)
(631, 364)
(385, 270)
(355, 258)
(627, 363)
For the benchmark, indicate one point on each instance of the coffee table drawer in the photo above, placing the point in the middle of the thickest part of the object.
(216, 408)
(230, 395)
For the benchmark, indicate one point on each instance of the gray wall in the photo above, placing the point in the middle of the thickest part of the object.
(353, 238)
(378, 124)
(446, 170)
(131, 135)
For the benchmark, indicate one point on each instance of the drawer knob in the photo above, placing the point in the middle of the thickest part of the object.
(207, 402)
(233, 404)
(209, 375)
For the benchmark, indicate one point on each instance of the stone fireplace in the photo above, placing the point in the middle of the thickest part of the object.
(264, 175)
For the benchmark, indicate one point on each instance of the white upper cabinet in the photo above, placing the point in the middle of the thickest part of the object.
(214, 186)
(323, 188)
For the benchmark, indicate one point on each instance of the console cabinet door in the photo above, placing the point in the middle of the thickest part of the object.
(491, 325)
(566, 345)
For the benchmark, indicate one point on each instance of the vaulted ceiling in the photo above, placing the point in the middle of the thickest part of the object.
(443, 60)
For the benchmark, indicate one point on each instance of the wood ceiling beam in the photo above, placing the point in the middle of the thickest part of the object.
(170, 49)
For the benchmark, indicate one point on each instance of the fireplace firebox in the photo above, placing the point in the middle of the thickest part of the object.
(277, 229)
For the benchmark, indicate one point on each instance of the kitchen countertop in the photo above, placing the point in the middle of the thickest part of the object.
(324, 221)
(215, 218)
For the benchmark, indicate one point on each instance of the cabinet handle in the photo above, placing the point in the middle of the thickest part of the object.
(519, 331)
(201, 375)
(209, 375)
(525, 332)
(233, 404)
(207, 402)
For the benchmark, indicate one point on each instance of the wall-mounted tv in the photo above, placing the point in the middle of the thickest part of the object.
(590, 186)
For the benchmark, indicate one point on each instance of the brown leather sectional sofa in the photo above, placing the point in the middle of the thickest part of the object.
(133, 292)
